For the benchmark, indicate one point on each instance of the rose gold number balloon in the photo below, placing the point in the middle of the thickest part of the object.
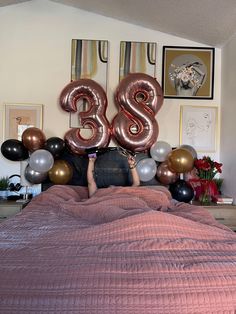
(140, 97)
(94, 118)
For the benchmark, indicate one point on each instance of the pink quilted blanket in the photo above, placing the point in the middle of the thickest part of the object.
(124, 251)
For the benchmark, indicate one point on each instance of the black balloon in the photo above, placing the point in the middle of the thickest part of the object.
(55, 145)
(181, 191)
(14, 150)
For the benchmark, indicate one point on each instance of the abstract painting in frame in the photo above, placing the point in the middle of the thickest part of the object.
(188, 72)
(137, 57)
(89, 59)
(198, 127)
(18, 117)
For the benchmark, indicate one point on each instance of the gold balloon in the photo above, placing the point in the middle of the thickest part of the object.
(61, 172)
(164, 175)
(180, 160)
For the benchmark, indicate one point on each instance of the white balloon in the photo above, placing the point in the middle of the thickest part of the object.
(191, 149)
(41, 160)
(146, 169)
(160, 150)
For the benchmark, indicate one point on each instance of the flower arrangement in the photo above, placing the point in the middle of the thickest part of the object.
(187, 74)
(207, 168)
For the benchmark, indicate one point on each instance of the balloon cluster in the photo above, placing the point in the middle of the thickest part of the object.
(167, 165)
(43, 156)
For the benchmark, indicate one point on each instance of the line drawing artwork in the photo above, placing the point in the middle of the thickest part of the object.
(199, 127)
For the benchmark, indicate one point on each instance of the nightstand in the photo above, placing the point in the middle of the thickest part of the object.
(10, 208)
(225, 214)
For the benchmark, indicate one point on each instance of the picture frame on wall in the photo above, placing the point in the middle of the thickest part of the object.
(199, 127)
(188, 72)
(137, 57)
(18, 117)
(89, 60)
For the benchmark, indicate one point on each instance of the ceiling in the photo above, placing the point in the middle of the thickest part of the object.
(211, 22)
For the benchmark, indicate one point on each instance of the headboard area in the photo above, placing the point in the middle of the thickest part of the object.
(111, 168)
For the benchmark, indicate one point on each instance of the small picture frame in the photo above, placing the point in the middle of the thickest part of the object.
(137, 57)
(198, 127)
(188, 72)
(18, 117)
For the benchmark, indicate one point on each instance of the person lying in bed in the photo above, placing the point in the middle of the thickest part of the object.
(92, 186)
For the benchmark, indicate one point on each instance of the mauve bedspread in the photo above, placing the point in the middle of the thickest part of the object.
(125, 250)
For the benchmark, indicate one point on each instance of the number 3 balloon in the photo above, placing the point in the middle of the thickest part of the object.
(140, 97)
(94, 118)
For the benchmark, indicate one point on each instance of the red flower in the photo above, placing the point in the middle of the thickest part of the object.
(207, 168)
(218, 166)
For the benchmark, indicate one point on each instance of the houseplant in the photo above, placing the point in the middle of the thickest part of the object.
(4, 184)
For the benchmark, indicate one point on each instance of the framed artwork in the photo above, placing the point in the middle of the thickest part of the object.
(89, 59)
(198, 127)
(18, 117)
(188, 72)
(137, 57)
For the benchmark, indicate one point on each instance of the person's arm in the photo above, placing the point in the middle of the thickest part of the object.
(92, 186)
(134, 172)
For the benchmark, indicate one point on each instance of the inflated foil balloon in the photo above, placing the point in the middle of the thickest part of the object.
(33, 176)
(61, 172)
(139, 97)
(14, 150)
(160, 150)
(180, 160)
(190, 149)
(41, 160)
(164, 175)
(181, 191)
(33, 139)
(94, 118)
(146, 169)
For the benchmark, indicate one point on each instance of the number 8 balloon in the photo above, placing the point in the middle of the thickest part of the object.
(94, 118)
(140, 97)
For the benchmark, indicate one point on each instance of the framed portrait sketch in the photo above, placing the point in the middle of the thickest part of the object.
(18, 117)
(198, 127)
(89, 59)
(188, 72)
(137, 57)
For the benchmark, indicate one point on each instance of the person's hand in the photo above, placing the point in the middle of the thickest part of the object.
(92, 158)
(131, 161)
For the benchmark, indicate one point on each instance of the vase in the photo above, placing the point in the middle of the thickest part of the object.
(208, 191)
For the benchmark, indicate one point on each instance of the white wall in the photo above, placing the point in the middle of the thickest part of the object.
(228, 126)
(35, 62)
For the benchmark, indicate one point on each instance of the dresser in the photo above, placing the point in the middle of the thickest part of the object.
(225, 214)
(10, 208)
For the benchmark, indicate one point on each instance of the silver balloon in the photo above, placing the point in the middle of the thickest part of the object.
(160, 150)
(33, 176)
(190, 149)
(146, 169)
(41, 160)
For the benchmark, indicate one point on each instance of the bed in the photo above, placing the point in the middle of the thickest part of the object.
(125, 250)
